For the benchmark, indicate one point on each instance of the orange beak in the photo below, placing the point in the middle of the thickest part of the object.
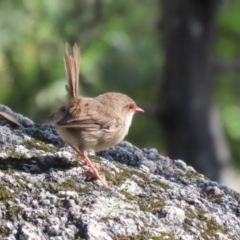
(138, 109)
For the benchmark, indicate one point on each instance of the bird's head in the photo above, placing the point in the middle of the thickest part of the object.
(129, 108)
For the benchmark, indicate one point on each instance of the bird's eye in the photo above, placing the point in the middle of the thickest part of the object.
(62, 109)
(131, 106)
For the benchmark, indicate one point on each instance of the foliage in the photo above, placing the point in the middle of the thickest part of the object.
(121, 51)
(227, 79)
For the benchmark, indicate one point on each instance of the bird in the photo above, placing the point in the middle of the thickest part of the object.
(91, 123)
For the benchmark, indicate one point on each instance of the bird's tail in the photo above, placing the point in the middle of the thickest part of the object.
(72, 68)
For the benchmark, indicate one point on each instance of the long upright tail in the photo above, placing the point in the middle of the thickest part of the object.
(72, 68)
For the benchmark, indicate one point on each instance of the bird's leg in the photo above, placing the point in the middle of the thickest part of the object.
(84, 156)
(95, 173)
(97, 166)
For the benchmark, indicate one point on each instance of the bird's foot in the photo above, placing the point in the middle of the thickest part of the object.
(91, 175)
(96, 165)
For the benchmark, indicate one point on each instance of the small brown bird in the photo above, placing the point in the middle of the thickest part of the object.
(91, 123)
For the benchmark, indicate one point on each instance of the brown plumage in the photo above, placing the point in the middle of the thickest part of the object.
(91, 123)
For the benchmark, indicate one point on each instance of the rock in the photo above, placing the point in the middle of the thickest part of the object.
(44, 192)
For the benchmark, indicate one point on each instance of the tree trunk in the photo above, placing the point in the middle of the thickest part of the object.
(192, 127)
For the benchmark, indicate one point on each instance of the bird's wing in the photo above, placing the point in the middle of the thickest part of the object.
(91, 116)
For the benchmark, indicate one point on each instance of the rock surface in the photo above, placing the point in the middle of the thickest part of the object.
(45, 194)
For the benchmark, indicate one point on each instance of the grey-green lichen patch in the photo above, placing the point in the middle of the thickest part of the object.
(111, 207)
(137, 188)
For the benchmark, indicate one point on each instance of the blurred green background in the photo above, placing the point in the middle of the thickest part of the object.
(121, 51)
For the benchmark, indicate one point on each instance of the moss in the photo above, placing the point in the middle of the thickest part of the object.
(86, 189)
(158, 184)
(71, 185)
(66, 185)
(121, 177)
(96, 159)
(22, 182)
(194, 175)
(215, 198)
(13, 212)
(5, 195)
(20, 224)
(42, 215)
(187, 224)
(126, 173)
(146, 236)
(58, 203)
(13, 154)
(105, 219)
(18, 161)
(189, 213)
(51, 188)
(149, 204)
(39, 145)
(4, 231)
(212, 227)
(18, 158)
(37, 185)
(8, 171)
(153, 202)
